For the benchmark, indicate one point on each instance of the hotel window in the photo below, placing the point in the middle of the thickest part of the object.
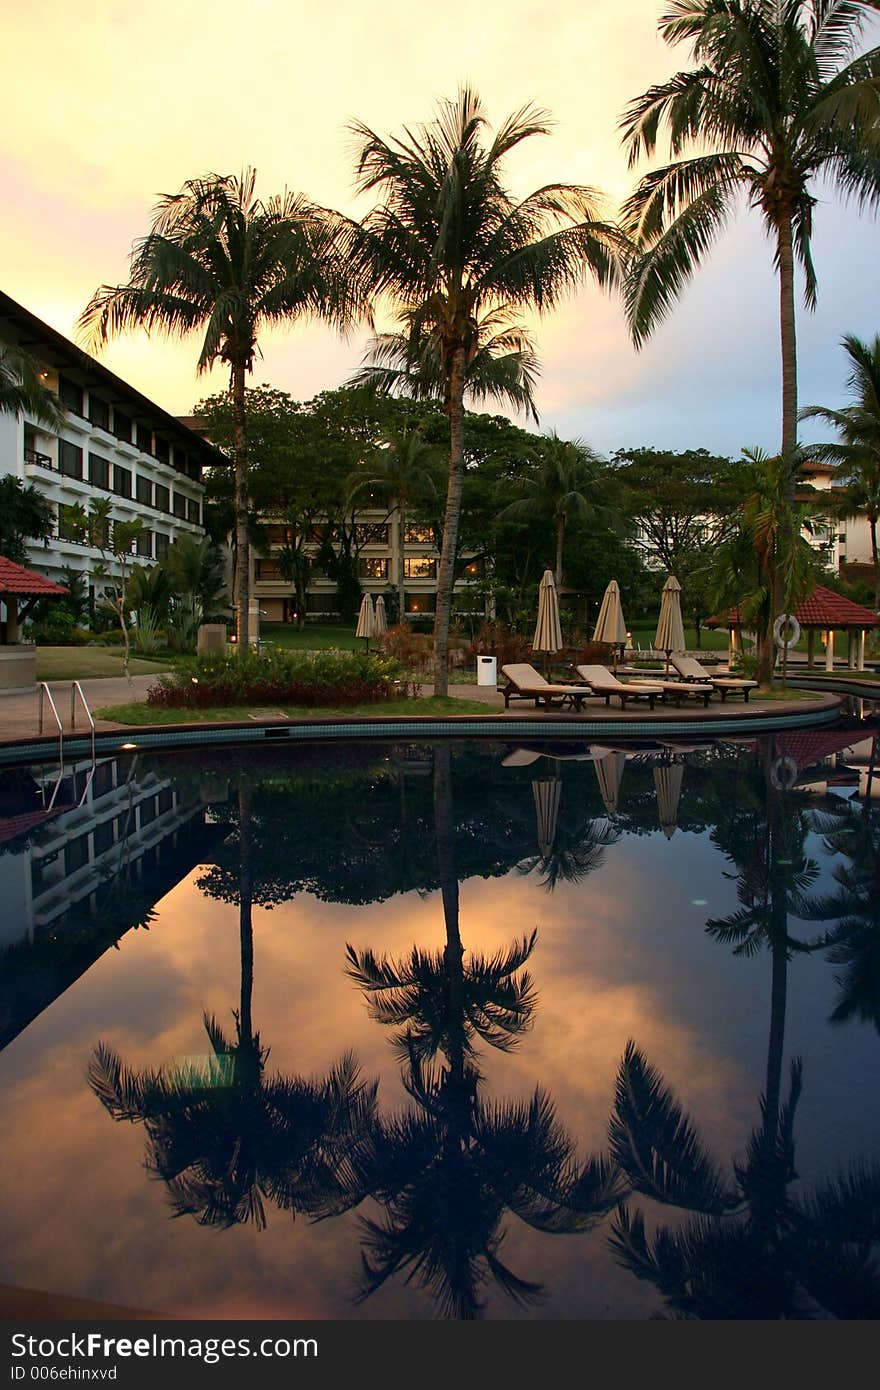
(163, 498)
(121, 481)
(70, 395)
(163, 450)
(165, 801)
(161, 546)
(420, 567)
(321, 531)
(267, 569)
(68, 527)
(194, 512)
(147, 811)
(144, 544)
(372, 568)
(473, 570)
(180, 506)
(420, 603)
(122, 426)
(278, 535)
(99, 412)
(76, 854)
(70, 460)
(418, 535)
(180, 460)
(371, 533)
(103, 837)
(144, 491)
(144, 438)
(99, 471)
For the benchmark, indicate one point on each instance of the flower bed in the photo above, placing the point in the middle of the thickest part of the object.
(310, 679)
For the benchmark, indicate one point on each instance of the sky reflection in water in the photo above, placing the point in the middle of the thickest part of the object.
(373, 1146)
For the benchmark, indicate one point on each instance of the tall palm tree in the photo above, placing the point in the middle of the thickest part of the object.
(777, 102)
(23, 390)
(227, 1136)
(220, 261)
(403, 470)
(459, 258)
(566, 486)
(857, 452)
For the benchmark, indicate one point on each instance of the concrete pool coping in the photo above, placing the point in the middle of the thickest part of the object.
(19, 742)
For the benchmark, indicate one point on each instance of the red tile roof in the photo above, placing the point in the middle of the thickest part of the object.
(824, 608)
(15, 579)
(809, 746)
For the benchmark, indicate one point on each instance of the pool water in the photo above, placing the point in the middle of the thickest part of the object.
(422, 1030)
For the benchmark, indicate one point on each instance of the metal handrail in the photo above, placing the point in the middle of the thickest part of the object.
(76, 689)
(46, 693)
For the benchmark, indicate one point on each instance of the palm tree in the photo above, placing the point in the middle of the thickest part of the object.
(459, 259)
(566, 486)
(750, 1249)
(857, 452)
(22, 389)
(225, 1137)
(777, 102)
(447, 1171)
(403, 471)
(220, 261)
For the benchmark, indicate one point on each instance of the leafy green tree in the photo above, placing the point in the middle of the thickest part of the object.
(23, 390)
(459, 259)
(195, 566)
(776, 103)
(857, 451)
(115, 542)
(24, 515)
(567, 484)
(220, 261)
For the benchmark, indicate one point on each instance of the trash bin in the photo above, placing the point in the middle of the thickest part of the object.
(487, 670)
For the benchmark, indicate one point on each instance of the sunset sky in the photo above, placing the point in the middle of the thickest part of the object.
(101, 114)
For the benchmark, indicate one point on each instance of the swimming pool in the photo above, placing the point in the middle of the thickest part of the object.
(419, 1029)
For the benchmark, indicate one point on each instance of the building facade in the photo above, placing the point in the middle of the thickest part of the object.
(114, 443)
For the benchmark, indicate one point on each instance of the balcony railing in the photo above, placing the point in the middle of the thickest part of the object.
(42, 460)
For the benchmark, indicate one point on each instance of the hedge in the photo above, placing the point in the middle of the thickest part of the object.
(277, 676)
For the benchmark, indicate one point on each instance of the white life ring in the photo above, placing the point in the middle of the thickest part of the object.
(786, 620)
(783, 773)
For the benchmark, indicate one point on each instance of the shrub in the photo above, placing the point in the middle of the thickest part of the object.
(412, 650)
(278, 676)
(498, 640)
(56, 629)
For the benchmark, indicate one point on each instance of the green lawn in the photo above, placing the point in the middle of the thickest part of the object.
(142, 713)
(313, 637)
(711, 639)
(82, 663)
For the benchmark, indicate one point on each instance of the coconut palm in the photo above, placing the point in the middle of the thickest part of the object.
(857, 452)
(778, 100)
(403, 471)
(226, 1136)
(459, 259)
(566, 486)
(23, 390)
(447, 1171)
(751, 1248)
(220, 261)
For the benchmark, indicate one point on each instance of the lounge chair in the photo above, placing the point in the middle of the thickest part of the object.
(679, 690)
(602, 682)
(692, 670)
(525, 683)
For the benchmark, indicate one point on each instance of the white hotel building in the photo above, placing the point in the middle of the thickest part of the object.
(114, 443)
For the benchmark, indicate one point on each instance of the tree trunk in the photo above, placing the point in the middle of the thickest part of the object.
(560, 534)
(788, 342)
(446, 571)
(401, 542)
(872, 521)
(245, 899)
(453, 954)
(242, 582)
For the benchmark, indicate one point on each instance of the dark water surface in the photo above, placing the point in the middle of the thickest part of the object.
(419, 1031)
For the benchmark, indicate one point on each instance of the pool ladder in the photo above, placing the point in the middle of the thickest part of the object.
(77, 696)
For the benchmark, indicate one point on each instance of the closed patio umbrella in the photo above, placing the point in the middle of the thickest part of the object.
(667, 784)
(548, 633)
(670, 628)
(610, 626)
(380, 620)
(366, 619)
(609, 771)
(547, 794)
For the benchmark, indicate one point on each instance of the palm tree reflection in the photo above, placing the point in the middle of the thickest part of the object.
(448, 1171)
(226, 1137)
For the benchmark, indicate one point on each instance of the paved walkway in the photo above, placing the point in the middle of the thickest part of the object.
(19, 713)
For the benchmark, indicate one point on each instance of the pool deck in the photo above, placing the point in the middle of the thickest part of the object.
(19, 728)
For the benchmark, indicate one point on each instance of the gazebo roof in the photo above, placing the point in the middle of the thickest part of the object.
(18, 582)
(822, 609)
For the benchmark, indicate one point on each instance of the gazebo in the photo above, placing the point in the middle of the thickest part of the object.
(19, 591)
(824, 612)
